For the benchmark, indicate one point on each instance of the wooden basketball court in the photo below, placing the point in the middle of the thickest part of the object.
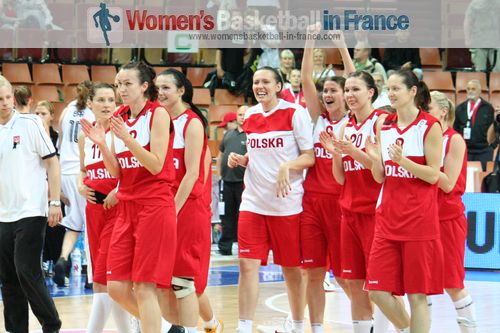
(74, 308)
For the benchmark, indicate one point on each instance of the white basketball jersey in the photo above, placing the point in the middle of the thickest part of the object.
(68, 142)
(274, 137)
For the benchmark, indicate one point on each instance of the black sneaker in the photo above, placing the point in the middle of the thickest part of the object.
(87, 284)
(225, 252)
(60, 270)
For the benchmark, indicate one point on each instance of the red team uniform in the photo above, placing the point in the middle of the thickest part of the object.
(193, 220)
(145, 232)
(357, 201)
(266, 220)
(289, 95)
(453, 222)
(201, 279)
(320, 220)
(406, 255)
(100, 221)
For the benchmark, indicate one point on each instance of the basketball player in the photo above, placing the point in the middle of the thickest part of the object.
(211, 324)
(140, 255)
(280, 147)
(359, 191)
(406, 255)
(98, 187)
(74, 221)
(320, 220)
(452, 221)
(193, 214)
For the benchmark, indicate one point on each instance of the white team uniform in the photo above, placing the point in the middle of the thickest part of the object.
(273, 138)
(23, 144)
(70, 165)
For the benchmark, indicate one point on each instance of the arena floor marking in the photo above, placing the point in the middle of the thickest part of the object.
(228, 276)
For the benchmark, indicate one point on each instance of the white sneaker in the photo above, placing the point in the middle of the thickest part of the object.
(285, 328)
(217, 329)
(328, 286)
(269, 329)
(288, 324)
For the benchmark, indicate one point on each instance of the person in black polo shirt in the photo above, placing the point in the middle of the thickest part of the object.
(234, 141)
(474, 120)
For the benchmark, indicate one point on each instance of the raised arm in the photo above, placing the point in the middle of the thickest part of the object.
(347, 61)
(306, 76)
(344, 53)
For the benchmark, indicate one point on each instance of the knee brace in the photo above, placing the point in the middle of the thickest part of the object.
(182, 287)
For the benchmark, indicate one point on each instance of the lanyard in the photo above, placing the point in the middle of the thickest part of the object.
(472, 111)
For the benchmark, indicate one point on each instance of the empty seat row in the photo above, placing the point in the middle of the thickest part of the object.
(19, 73)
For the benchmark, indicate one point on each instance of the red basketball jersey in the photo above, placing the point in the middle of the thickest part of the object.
(408, 205)
(450, 204)
(360, 190)
(319, 178)
(98, 178)
(136, 182)
(181, 123)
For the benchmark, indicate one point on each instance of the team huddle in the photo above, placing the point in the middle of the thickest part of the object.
(379, 205)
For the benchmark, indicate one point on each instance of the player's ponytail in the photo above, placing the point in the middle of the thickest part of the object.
(422, 98)
(22, 95)
(82, 94)
(444, 102)
(180, 81)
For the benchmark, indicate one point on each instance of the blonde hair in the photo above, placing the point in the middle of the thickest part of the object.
(4, 82)
(444, 102)
(46, 104)
(287, 53)
(322, 51)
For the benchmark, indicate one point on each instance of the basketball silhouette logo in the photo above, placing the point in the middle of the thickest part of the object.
(104, 25)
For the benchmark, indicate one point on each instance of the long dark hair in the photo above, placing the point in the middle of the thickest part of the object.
(423, 96)
(145, 74)
(368, 80)
(181, 81)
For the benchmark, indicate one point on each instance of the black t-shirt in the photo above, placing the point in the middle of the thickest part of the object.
(232, 61)
(234, 141)
(395, 58)
(482, 121)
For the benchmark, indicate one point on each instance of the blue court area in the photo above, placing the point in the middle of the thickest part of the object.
(228, 275)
